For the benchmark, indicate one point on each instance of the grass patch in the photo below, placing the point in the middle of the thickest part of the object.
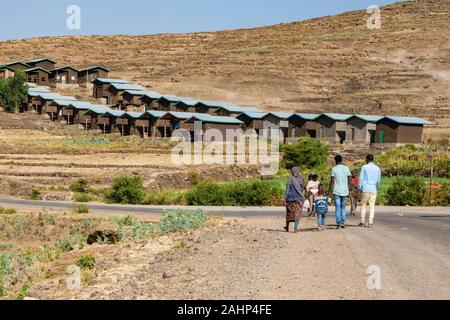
(86, 262)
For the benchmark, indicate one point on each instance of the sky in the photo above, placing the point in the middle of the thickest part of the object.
(34, 18)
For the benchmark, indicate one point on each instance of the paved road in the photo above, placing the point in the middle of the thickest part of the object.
(410, 245)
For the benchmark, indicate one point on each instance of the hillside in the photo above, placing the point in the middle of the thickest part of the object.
(325, 64)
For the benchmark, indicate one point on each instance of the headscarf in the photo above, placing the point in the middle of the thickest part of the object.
(297, 181)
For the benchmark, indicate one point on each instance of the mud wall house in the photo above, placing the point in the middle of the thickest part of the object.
(6, 72)
(64, 77)
(234, 111)
(150, 100)
(207, 122)
(184, 105)
(361, 129)
(252, 120)
(150, 125)
(277, 121)
(101, 85)
(177, 120)
(52, 105)
(107, 121)
(90, 117)
(126, 123)
(73, 113)
(137, 100)
(393, 131)
(33, 99)
(87, 75)
(116, 90)
(301, 125)
(332, 127)
(38, 76)
(210, 107)
(43, 63)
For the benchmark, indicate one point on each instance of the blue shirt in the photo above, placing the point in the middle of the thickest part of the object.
(370, 178)
(340, 173)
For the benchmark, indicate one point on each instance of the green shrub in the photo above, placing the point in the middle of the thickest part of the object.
(441, 197)
(81, 208)
(165, 198)
(126, 190)
(86, 262)
(406, 191)
(307, 153)
(81, 185)
(69, 241)
(3, 289)
(181, 220)
(126, 221)
(240, 193)
(7, 211)
(82, 197)
(23, 292)
(194, 177)
(35, 194)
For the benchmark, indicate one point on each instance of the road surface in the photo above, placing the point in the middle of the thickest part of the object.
(409, 246)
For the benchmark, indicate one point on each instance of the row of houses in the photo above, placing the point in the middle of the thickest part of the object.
(43, 72)
(164, 114)
(331, 127)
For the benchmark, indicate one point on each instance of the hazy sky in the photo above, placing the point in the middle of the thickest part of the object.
(32, 18)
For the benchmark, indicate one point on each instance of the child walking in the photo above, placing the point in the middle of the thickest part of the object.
(321, 203)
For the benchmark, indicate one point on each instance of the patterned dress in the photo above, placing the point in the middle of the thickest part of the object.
(294, 204)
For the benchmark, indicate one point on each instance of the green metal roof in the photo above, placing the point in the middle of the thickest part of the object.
(408, 120)
(305, 116)
(253, 115)
(65, 67)
(97, 109)
(152, 94)
(37, 89)
(127, 86)
(109, 81)
(181, 115)
(40, 60)
(95, 67)
(368, 118)
(114, 113)
(36, 69)
(214, 119)
(143, 93)
(55, 96)
(337, 116)
(135, 115)
(15, 62)
(217, 104)
(279, 115)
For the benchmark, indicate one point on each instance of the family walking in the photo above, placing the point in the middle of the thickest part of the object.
(343, 185)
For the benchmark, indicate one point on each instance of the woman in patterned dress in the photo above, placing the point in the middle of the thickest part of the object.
(294, 198)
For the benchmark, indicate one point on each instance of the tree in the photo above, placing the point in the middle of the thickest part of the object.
(13, 92)
(307, 153)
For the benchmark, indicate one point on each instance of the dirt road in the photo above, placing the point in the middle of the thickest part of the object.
(252, 258)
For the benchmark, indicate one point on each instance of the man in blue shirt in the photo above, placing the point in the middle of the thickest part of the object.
(341, 185)
(369, 183)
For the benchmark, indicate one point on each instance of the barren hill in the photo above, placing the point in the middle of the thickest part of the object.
(325, 64)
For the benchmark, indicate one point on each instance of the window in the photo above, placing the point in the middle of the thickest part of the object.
(72, 78)
(43, 79)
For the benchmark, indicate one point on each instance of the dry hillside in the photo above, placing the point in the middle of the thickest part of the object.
(325, 64)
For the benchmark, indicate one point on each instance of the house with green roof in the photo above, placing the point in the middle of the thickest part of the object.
(332, 127)
(87, 75)
(43, 63)
(394, 130)
(16, 65)
(136, 100)
(301, 125)
(361, 129)
(252, 120)
(64, 76)
(100, 87)
(276, 121)
(39, 76)
(201, 124)
(6, 72)
(115, 93)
